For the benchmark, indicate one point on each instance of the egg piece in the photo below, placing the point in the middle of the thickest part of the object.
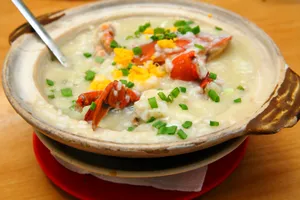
(166, 43)
(123, 56)
(99, 83)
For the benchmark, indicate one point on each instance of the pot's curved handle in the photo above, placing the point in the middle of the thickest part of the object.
(283, 110)
(26, 28)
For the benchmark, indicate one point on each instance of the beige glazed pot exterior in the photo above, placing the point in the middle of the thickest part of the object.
(279, 111)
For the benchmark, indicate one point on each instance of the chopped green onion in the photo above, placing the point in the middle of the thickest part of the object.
(238, 100)
(170, 130)
(125, 72)
(137, 51)
(152, 102)
(159, 30)
(123, 82)
(158, 124)
(180, 23)
(89, 75)
(162, 96)
(87, 55)
(175, 92)
(129, 66)
(129, 37)
(183, 106)
(199, 46)
(99, 59)
(196, 30)
(93, 106)
(183, 30)
(182, 89)
(182, 134)
(152, 119)
(53, 90)
(114, 44)
(51, 96)
(49, 82)
(66, 92)
(170, 35)
(213, 96)
(113, 63)
(137, 34)
(170, 98)
(130, 84)
(144, 27)
(240, 87)
(214, 123)
(218, 28)
(213, 76)
(187, 124)
(131, 128)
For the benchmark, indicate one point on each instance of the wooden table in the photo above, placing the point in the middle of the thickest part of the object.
(271, 168)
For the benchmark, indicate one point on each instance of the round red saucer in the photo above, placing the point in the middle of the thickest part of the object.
(89, 187)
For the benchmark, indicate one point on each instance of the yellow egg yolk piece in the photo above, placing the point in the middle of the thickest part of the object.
(99, 83)
(166, 43)
(123, 56)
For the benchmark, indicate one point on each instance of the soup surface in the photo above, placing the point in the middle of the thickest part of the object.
(174, 79)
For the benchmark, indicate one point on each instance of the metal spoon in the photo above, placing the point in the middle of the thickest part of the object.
(40, 31)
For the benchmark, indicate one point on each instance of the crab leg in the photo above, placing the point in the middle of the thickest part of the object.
(86, 99)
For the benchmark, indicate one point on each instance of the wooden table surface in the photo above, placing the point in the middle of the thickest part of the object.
(270, 169)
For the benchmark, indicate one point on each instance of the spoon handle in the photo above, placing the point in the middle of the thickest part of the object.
(40, 31)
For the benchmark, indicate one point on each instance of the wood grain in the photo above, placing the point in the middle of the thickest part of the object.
(271, 168)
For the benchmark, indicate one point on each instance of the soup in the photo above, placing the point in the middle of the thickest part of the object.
(154, 79)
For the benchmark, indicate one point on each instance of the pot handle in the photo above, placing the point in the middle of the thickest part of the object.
(26, 28)
(283, 110)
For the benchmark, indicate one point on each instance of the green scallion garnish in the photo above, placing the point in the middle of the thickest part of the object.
(159, 30)
(114, 44)
(93, 106)
(153, 103)
(182, 89)
(152, 119)
(170, 98)
(183, 106)
(129, 37)
(183, 30)
(87, 55)
(66, 92)
(175, 92)
(137, 51)
(238, 100)
(214, 123)
(158, 124)
(49, 82)
(51, 96)
(213, 96)
(99, 59)
(240, 87)
(113, 63)
(179, 23)
(196, 30)
(187, 124)
(213, 76)
(130, 84)
(131, 128)
(181, 134)
(218, 28)
(199, 46)
(129, 66)
(89, 75)
(125, 72)
(170, 130)
(162, 96)
(123, 81)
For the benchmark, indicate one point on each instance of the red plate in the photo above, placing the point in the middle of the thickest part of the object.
(89, 187)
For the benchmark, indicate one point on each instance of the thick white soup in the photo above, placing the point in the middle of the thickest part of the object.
(151, 79)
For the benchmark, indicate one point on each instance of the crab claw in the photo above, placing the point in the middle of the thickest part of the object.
(184, 68)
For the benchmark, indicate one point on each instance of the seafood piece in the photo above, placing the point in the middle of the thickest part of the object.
(184, 68)
(115, 95)
(106, 36)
